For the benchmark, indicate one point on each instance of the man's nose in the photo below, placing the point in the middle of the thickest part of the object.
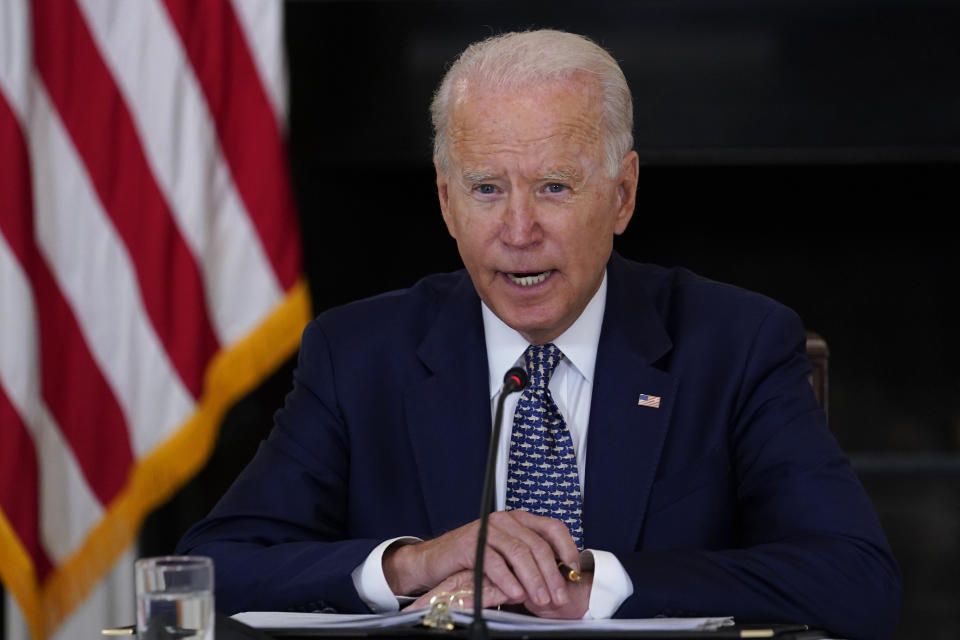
(521, 227)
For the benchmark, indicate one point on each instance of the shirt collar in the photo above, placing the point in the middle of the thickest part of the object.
(579, 342)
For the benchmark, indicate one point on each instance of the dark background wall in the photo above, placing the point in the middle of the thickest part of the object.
(806, 149)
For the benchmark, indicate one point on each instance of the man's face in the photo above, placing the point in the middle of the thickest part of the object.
(529, 201)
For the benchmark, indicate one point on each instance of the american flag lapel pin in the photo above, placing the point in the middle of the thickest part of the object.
(649, 401)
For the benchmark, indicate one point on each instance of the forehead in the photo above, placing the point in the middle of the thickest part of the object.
(548, 121)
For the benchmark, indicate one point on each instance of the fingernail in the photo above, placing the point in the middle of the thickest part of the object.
(543, 597)
(560, 596)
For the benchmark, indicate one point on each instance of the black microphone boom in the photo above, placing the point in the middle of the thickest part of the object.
(514, 380)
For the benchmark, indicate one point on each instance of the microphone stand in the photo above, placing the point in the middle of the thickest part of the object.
(514, 380)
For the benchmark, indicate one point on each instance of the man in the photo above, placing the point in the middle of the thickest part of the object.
(705, 480)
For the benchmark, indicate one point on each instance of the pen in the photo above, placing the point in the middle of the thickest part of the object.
(572, 575)
(120, 631)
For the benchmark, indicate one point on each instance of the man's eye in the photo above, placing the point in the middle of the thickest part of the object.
(556, 187)
(485, 189)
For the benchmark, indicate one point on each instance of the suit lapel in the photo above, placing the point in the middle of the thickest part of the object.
(448, 413)
(625, 439)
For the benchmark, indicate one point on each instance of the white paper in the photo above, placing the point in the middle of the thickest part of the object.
(508, 621)
(289, 620)
(498, 620)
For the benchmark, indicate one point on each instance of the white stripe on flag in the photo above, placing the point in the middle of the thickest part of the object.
(144, 54)
(67, 506)
(15, 56)
(262, 23)
(71, 227)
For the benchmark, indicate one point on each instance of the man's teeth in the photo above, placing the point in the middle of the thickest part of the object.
(526, 281)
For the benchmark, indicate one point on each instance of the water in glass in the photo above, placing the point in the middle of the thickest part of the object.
(184, 615)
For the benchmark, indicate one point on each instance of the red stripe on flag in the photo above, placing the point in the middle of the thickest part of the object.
(97, 119)
(246, 125)
(19, 487)
(71, 383)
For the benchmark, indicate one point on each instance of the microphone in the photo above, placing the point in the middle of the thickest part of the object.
(514, 380)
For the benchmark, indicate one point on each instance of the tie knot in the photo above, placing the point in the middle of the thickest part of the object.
(540, 361)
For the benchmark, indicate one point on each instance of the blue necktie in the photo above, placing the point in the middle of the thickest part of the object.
(542, 475)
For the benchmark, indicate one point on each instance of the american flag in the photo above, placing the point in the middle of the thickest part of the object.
(150, 267)
(649, 401)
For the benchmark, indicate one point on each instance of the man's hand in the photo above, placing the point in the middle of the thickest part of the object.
(575, 608)
(463, 581)
(520, 560)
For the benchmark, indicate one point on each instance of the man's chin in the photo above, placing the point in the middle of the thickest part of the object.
(535, 328)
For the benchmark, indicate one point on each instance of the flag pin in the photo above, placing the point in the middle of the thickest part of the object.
(649, 401)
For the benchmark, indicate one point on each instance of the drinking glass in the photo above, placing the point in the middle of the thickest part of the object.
(174, 598)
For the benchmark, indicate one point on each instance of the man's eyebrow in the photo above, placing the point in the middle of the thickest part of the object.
(474, 175)
(563, 175)
(559, 175)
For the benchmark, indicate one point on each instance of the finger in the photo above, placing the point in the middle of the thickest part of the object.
(448, 585)
(462, 581)
(501, 574)
(454, 551)
(555, 533)
(530, 557)
(456, 583)
(546, 561)
(575, 608)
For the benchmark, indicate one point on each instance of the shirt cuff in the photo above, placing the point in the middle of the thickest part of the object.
(611, 585)
(371, 584)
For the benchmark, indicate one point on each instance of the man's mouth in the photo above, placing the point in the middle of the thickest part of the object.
(529, 279)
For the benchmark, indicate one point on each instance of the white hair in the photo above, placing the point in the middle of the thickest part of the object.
(518, 59)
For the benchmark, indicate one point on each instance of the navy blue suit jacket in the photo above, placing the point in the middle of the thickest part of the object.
(731, 498)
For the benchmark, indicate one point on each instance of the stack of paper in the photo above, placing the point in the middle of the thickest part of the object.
(498, 620)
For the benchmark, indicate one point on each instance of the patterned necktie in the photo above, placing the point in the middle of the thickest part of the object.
(542, 475)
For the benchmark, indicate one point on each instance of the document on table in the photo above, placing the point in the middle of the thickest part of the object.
(288, 620)
(497, 620)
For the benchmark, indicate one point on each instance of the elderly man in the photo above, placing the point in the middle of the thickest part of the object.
(668, 430)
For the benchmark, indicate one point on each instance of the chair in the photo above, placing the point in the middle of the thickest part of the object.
(819, 355)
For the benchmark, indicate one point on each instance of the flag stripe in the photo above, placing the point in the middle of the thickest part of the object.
(261, 22)
(19, 483)
(247, 126)
(84, 406)
(15, 38)
(71, 226)
(144, 53)
(19, 486)
(94, 113)
(68, 508)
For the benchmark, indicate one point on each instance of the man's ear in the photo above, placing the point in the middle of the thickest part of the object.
(443, 194)
(627, 181)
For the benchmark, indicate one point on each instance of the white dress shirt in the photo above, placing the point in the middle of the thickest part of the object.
(571, 387)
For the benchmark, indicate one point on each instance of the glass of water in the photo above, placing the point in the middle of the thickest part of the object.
(174, 598)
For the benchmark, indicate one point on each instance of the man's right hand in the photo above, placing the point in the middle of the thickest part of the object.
(520, 558)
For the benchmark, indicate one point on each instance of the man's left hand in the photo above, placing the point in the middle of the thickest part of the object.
(574, 608)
